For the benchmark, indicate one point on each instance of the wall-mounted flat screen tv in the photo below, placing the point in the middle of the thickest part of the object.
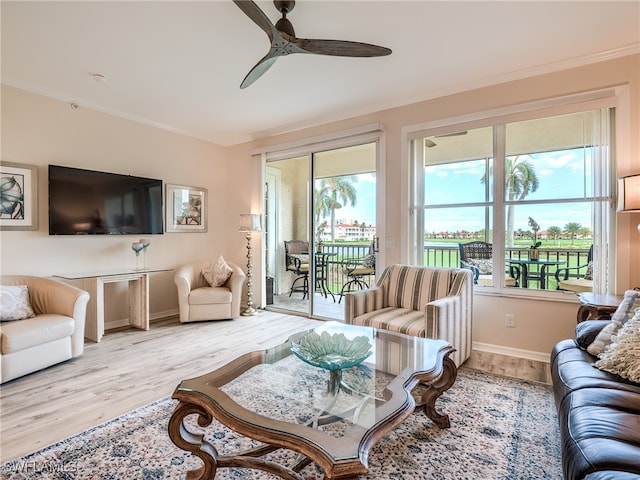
(86, 202)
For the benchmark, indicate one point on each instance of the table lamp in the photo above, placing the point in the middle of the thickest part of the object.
(629, 194)
(249, 222)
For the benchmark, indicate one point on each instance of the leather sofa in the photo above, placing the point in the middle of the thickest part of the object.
(198, 301)
(419, 301)
(598, 412)
(55, 334)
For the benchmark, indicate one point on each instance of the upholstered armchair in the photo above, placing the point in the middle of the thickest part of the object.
(199, 301)
(51, 330)
(419, 301)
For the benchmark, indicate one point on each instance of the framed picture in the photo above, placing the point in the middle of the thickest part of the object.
(18, 196)
(186, 209)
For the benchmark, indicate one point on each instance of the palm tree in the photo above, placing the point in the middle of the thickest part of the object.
(572, 228)
(331, 192)
(585, 232)
(555, 233)
(520, 180)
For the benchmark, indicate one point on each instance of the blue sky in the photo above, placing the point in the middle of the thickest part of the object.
(560, 175)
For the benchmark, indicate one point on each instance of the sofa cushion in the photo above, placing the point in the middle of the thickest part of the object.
(14, 303)
(599, 431)
(576, 285)
(209, 295)
(217, 274)
(484, 266)
(401, 320)
(369, 260)
(34, 331)
(623, 313)
(622, 355)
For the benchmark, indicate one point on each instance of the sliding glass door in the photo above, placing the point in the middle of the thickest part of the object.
(320, 227)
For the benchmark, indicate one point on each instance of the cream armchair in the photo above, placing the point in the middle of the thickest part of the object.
(198, 301)
(419, 301)
(54, 335)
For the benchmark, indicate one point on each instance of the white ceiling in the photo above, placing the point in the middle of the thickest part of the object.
(179, 64)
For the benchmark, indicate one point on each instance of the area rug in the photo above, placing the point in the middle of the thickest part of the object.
(501, 428)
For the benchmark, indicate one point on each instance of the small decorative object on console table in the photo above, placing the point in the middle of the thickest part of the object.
(137, 247)
(145, 244)
(249, 222)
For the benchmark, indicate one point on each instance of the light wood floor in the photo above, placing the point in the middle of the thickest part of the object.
(131, 368)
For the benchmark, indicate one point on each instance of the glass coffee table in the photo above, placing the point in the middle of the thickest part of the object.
(327, 414)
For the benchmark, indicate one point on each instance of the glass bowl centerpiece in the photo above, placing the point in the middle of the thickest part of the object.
(333, 352)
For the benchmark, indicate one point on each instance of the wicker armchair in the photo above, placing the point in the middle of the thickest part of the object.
(478, 257)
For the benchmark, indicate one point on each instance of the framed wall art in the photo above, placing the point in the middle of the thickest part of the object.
(18, 196)
(186, 209)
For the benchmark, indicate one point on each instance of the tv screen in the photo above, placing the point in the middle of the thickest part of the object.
(86, 202)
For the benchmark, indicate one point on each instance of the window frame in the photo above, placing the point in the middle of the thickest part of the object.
(498, 120)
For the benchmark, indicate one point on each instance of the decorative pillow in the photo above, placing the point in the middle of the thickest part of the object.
(369, 261)
(588, 275)
(14, 303)
(217, 274)
(303, 257)
(485, 267)
(622, 356)
(623, 313)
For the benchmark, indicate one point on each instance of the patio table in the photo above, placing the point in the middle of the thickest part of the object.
(537, 274)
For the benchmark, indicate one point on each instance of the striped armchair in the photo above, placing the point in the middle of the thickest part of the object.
(420, 301)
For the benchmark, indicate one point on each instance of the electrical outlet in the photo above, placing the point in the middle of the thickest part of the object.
(510, 320)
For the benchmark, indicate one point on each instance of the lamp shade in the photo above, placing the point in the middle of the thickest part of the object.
(250, 222)
(629, 193)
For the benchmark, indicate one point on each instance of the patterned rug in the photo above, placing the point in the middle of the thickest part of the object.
(501, 428)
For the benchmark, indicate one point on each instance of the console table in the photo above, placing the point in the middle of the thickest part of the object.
(138, 298)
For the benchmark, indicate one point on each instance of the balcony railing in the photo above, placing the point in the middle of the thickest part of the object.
(443, 256)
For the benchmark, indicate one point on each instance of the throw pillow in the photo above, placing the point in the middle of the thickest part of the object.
(485, 267)
(14, 303)
(622, 356)
(369, 261)
(217, 274)
(623, 313)
(588, 275)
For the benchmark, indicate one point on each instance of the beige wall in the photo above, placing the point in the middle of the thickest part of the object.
(39, 130)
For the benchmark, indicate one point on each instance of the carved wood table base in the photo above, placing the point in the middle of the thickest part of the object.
(343, 456)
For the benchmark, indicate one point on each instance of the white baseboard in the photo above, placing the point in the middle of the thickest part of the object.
(511, 352)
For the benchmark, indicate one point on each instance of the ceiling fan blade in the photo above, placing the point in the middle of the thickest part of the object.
(341, 48)
(252, 11)
(258, 70)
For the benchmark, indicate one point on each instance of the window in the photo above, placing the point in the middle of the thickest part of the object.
(520, 202)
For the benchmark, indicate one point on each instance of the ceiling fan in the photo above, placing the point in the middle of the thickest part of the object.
(284, 41)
